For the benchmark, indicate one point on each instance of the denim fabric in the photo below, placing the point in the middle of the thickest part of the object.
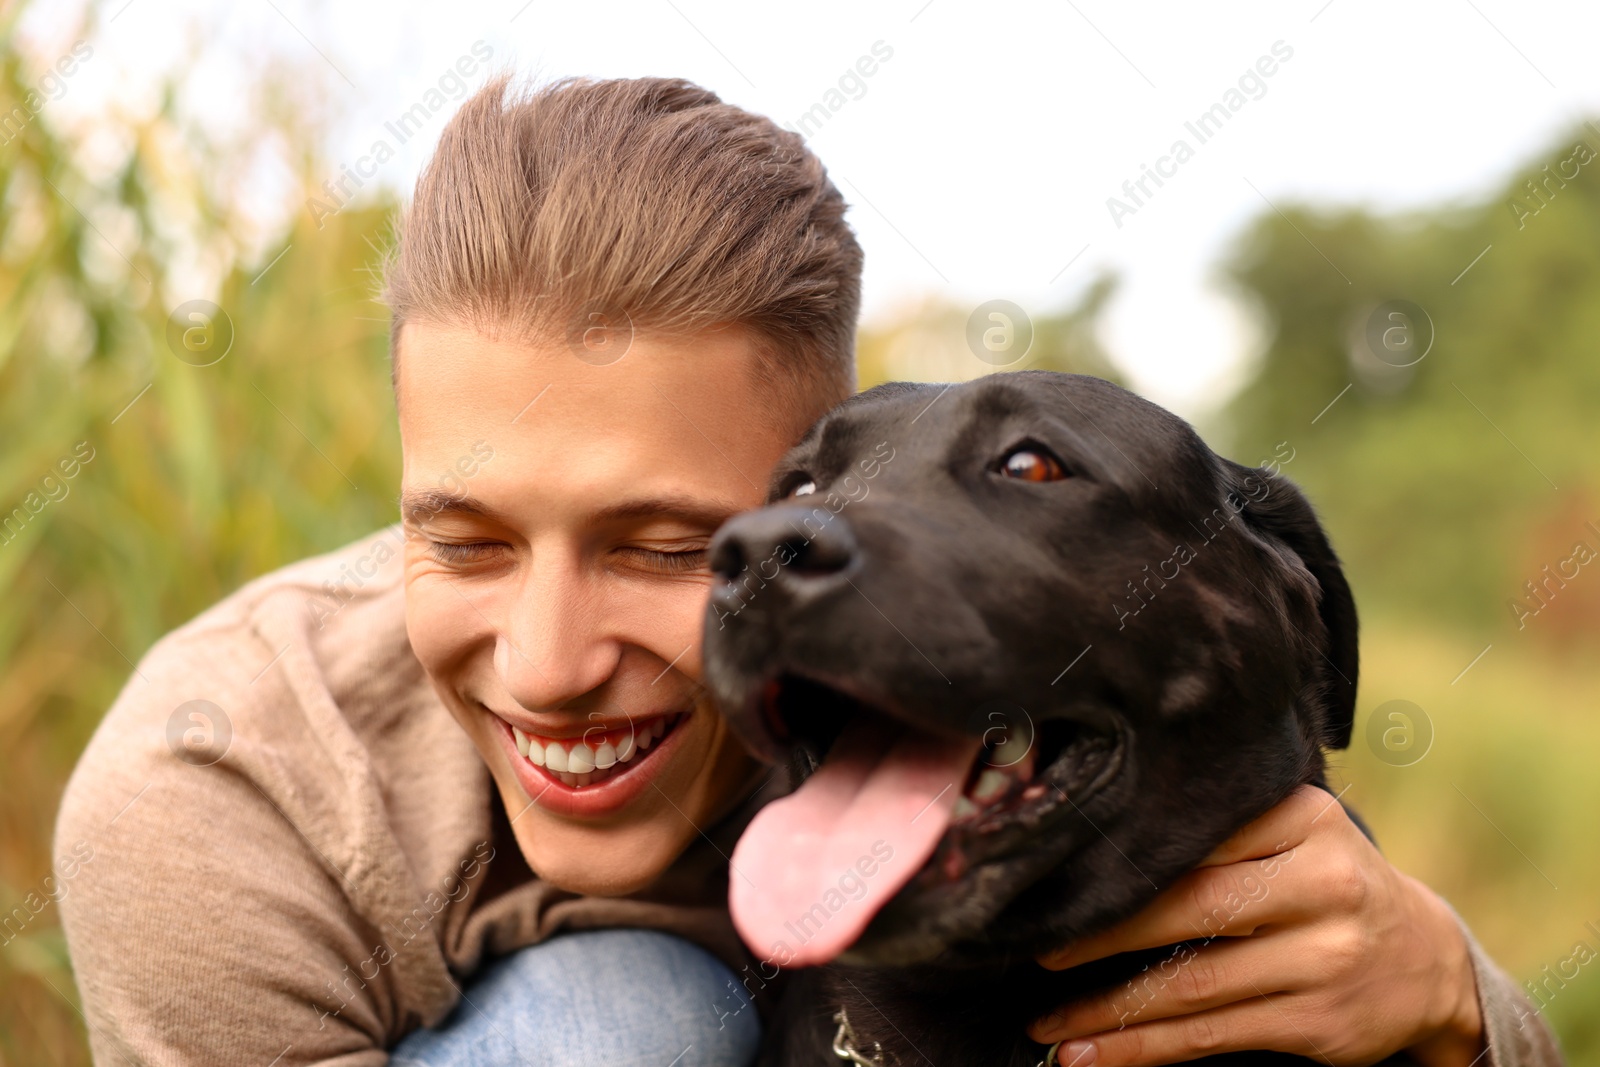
(600, 998)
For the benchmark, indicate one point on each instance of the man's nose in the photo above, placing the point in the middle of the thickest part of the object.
(554, 646)
(800, 551)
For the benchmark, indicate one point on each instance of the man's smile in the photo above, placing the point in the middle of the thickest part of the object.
(600, 753)
(595, 770)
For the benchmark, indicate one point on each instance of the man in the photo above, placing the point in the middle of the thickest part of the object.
(615, 305)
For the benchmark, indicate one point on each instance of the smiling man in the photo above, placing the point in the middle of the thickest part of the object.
(606, 485)
(481, 812)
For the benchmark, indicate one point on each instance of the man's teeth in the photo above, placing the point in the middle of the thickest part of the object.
(588, 760)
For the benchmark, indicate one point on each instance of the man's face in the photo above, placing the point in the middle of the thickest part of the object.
(557, 514)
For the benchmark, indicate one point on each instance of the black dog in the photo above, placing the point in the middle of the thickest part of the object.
(1044, 650)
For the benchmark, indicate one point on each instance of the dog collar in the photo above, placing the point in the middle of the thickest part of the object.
(844, 1046)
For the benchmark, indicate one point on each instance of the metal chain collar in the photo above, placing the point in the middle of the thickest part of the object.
(844, 1046)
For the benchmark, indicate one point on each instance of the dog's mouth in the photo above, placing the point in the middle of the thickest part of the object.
(888, 804)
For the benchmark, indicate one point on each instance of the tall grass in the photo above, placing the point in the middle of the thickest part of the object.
(196, 478)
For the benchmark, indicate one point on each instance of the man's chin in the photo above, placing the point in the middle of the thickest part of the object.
(607, 861)
(618, 836)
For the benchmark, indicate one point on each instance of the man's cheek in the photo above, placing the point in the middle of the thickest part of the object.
(676, 622)
(440, 623)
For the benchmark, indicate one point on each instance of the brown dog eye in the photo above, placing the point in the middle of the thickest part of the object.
(1031, 466)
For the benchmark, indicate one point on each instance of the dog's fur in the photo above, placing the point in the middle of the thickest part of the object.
(921, 585)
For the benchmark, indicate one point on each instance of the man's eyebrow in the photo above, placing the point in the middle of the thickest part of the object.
(691, 510)
(420, 505)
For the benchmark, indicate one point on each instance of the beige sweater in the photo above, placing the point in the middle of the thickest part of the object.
(311, 873)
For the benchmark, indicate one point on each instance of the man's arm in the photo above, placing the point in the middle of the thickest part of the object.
(206, 930)
(249, 900)
(1327, 951)
(1515, 1034)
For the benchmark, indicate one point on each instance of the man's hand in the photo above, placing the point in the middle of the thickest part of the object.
(1318, 947)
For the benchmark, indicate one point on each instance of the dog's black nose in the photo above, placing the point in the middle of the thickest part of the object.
(788, 545)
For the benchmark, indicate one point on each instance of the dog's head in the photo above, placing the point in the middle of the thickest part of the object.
(1047, 648)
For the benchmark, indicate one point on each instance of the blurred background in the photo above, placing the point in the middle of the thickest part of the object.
(1374, 260)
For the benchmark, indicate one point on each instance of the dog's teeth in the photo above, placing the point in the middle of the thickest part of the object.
(1013, 750)
(964, 808)
(991, 783)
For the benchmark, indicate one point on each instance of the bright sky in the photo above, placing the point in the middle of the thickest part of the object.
(979, 155)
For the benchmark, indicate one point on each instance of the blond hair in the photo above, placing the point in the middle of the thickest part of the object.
(647, 198)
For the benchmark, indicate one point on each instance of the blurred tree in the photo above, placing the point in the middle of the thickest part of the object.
(929, 342)
(1452, 481)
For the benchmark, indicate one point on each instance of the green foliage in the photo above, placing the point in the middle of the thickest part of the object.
(1450, 483)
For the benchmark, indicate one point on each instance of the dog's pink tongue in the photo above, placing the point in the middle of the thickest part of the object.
(813, 868)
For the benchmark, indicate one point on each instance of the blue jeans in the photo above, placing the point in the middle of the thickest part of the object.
(596, 998)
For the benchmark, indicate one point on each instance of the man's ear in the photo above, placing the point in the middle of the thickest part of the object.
(1275, 508)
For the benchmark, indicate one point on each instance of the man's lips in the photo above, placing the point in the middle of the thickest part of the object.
(599, 754)
(573, 758)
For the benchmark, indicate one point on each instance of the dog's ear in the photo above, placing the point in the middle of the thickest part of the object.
(1275, 508)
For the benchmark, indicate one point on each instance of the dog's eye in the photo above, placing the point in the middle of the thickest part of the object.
(1032, 465)
(805, 488)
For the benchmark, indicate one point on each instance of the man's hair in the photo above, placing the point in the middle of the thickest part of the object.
(645, 197)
